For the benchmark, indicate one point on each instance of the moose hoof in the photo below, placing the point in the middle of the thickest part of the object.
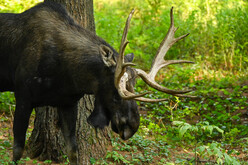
(17, 154)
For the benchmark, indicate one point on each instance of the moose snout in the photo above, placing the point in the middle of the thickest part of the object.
(126, 134)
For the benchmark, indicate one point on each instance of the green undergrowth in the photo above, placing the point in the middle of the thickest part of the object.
(217, 30)
(210, 129)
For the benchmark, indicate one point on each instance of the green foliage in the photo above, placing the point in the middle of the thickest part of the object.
(119, 158)
(214, 151)
(142, 151)
(4, 156)
(199, 128)
(48, 161)
(16, 6)
(217, 30)
(7, 102)
(198, 131)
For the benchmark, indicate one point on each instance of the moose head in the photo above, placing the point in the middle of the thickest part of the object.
(119, 105)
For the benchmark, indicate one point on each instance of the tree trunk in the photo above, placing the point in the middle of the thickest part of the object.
(81, 10)
(46, 141)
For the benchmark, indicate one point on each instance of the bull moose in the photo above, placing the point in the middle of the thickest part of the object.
(46, 58)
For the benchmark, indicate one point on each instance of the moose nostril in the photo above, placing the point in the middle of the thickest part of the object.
(123, 120)
(127, 134)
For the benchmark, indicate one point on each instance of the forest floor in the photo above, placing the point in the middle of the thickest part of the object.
(117, 153)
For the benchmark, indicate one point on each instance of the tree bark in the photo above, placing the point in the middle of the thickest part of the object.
(46, 141)
(81, 10)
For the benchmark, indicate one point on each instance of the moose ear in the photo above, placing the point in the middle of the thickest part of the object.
(129, 57)
(107, 55)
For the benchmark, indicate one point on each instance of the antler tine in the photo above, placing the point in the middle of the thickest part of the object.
(129, 95)
(124, 93)
(165, 45)
(120, 66)
(120, 79)
(124, 41)
(186, 96)
(143, 99)
(156, 86)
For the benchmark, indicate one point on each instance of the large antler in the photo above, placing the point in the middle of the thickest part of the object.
(120, 81)
(158, 63)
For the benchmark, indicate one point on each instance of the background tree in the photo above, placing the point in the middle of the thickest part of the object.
(46, 141)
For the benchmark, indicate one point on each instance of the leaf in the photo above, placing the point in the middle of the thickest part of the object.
(210, 128)
(109, 155)
(92, 160)
(194, 129)
(201, 149)
(230, 160)
(183, 129)
(219, 130)
(169, 163)
(219, 161)
(177, 123)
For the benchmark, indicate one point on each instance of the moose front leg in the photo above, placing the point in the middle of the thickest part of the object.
(68, 117)
(21, 120)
